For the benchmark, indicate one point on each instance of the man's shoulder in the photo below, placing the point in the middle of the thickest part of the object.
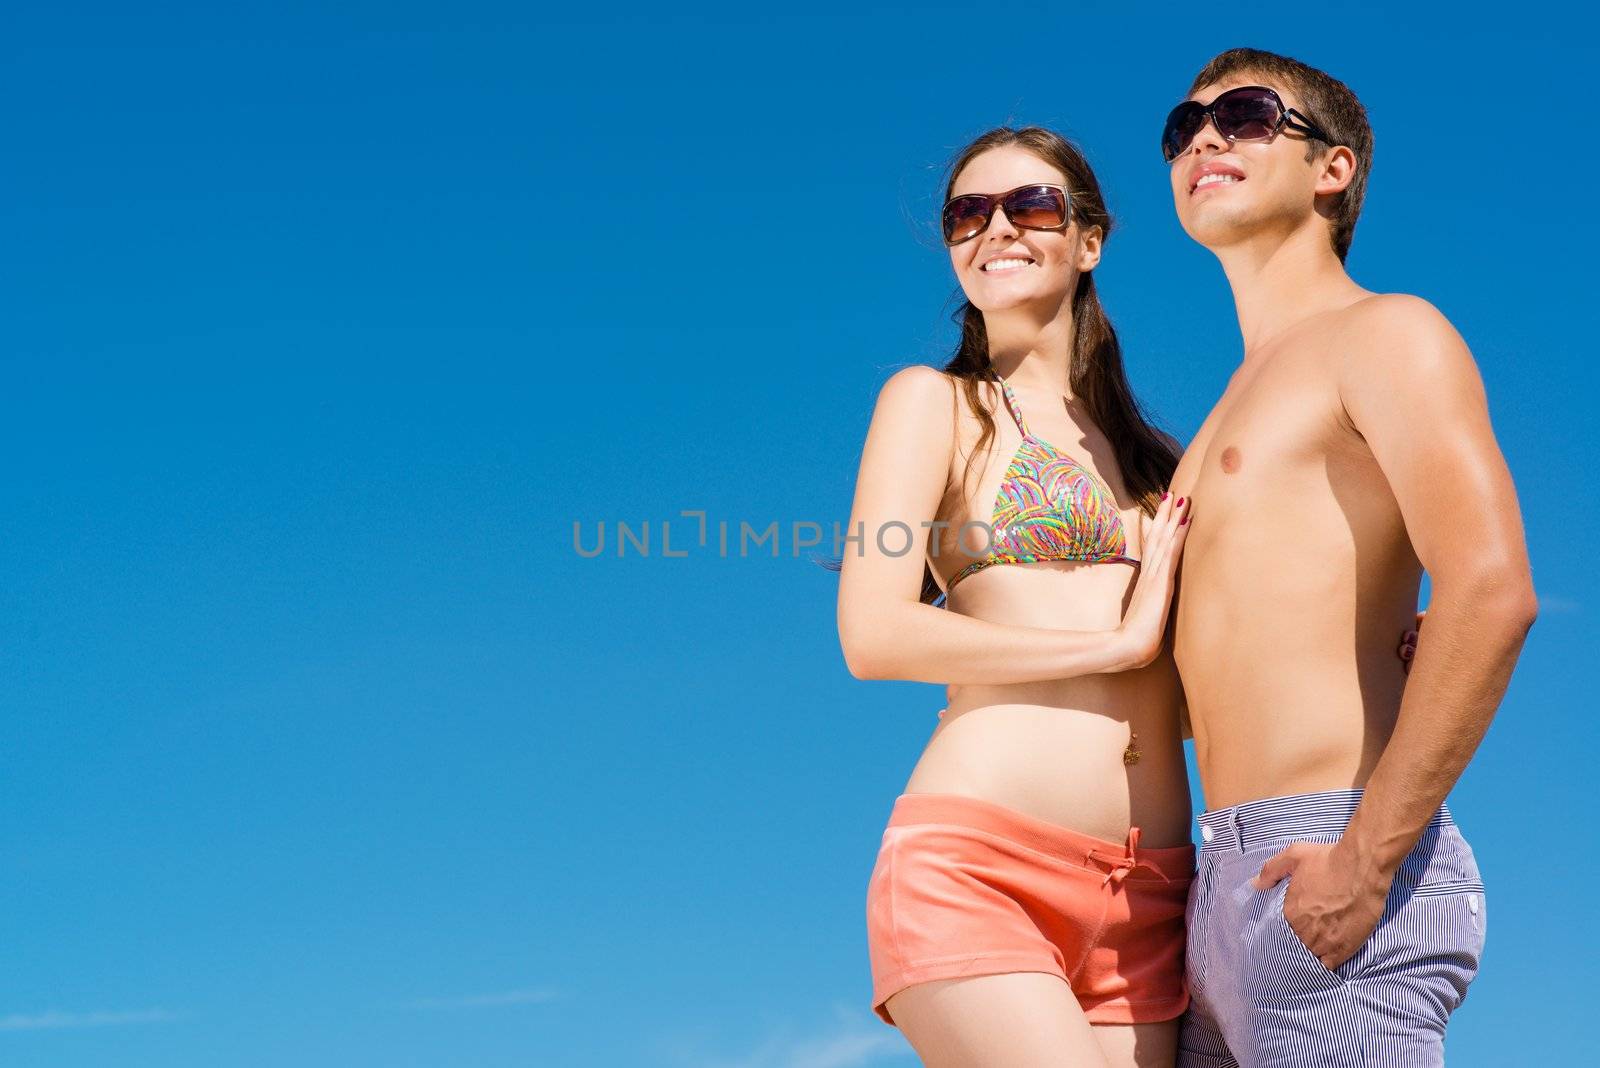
(1401, 315)
(1396, 333)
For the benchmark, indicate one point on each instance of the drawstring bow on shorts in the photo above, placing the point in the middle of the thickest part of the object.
(1120, 865)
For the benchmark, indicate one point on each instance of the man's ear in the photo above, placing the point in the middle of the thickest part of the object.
(1336, 170)
(1089, 248)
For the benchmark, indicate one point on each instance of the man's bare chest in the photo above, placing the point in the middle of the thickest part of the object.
(1274, 421)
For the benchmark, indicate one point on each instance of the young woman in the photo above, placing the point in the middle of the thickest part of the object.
(1027, 904)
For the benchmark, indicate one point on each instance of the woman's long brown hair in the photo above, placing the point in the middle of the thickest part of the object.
(1145, 460)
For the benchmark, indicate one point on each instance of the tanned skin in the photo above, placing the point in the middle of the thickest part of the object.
(1351, 451)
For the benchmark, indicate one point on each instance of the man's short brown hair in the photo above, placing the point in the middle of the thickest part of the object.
(1328, 102)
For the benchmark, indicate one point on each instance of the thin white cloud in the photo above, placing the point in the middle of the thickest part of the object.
(478, 1001)
(45, 1021)
(854, 1040)
(848, 1050)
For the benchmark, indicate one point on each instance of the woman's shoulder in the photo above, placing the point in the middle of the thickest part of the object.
(918, 381)
(914, 391)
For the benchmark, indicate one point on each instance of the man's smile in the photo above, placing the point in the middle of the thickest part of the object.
(1212, 174)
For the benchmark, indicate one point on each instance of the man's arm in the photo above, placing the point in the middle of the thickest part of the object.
(1415, 394)
(1411, 389)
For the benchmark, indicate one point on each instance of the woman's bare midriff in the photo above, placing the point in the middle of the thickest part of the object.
(1055, 750)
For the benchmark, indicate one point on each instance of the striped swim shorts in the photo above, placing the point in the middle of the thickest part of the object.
(1259, 997)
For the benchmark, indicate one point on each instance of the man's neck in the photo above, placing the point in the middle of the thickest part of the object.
(1280, 280)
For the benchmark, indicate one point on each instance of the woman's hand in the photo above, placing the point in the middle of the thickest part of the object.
(1408, 643)
(1145, 622)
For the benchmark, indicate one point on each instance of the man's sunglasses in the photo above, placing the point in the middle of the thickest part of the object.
(1249, 113)
(1029, 207)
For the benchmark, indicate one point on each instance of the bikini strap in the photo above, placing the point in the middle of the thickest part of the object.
(1012, 406)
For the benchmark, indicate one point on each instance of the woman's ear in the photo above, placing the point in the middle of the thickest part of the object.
(1089, 248)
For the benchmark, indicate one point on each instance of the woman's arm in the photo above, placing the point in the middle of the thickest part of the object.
(885, 630)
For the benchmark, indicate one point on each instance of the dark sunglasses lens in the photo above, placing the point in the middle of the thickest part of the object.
(1037, 207)
(1247, 114)
(965, 218)
(1182, 124)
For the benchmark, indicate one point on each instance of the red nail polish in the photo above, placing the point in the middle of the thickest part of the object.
(1182, 521)
(1164, 496)
(1181, 500)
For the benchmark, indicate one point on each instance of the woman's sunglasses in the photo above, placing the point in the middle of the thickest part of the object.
(1249, 113)
(1029, 207)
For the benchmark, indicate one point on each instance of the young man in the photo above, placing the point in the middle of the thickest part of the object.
(1338, 914)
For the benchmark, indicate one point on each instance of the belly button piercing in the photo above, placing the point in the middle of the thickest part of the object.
(1132, 754)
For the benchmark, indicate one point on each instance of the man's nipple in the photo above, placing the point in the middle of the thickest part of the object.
(1231, 459)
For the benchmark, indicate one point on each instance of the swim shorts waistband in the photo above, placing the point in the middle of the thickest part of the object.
(1075, 847)
(1251, 823)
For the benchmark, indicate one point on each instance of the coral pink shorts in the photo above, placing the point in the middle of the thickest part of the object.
(966, 887)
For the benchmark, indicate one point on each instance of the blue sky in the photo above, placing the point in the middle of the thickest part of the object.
(324, 747)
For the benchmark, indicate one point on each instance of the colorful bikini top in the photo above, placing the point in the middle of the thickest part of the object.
(1050, 507)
